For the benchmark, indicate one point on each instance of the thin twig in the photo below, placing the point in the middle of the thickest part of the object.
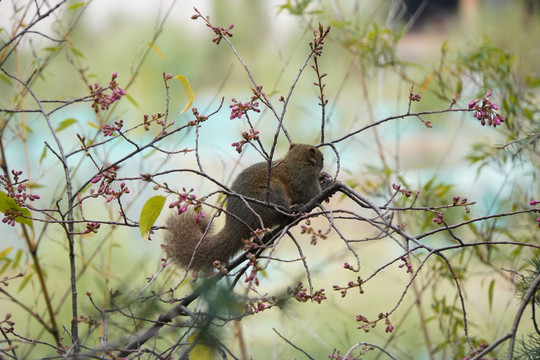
(294, 346)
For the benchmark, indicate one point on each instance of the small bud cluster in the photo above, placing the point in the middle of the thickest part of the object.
(255, 267)
(10, 216)
(220, 267)
(17, 189)
(5, 280)
(109, 130)
(246, 138)
(92, 227)
(146, 177)
(258, 306)
(412, 96)
(439, 219)
(106, 178)
(238, 108)
(464, 202)
(186, 199)
(406, 264)
(485, 111)
(315, 234)
(350, 285)
(368, 325)
(261, 304)
(101, 100)
(301, 295)
(417, 97)
(198, 117)
(405, 192)
(534, 203)
(364, 350)
(253, 242)
(317, 44)
(220, 32)
(10, 324)
(149, 119)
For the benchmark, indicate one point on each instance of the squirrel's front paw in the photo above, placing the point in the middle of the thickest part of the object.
(325, 180)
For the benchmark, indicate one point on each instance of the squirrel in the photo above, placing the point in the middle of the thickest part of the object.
(294, 181)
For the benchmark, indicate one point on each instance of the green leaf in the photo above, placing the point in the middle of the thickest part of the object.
(25, 281)
(8, 203)
(296, 7)
(93, 125)
(6, 264)
(52, 48)
(27, 128)
(6, 251)
(490, 293)
(76, 5)
(132, 100)
(43, 154)
(77, 52)
(532, 81)
(33, 185)
(17, 259)
(149, 213)
(5, 79)
(65, 124)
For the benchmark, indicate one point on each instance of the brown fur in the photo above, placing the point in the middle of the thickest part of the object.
(294, 181)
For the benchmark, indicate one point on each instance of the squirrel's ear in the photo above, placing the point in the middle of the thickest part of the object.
(291, 146)
(312, 155)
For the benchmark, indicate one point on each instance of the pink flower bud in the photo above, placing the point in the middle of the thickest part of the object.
(472, 103)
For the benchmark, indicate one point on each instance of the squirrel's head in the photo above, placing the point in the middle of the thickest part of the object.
(306, 154)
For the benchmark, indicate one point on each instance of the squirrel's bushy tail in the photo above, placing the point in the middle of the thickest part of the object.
(186, 246)
(183, 240)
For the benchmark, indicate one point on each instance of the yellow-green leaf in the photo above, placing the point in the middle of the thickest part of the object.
(76, 5)
(187, 89)
(490, 293)
(200, 351)
(65, 123)
(5, 79)
(132, 100)
(149, 213)
(6, 265)
(77, 52)
(17, 259)
(25, 281)
(156, 50)
(43, 154)
(91, 124)
(5, 251)
(52, 48)
(8, 203)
